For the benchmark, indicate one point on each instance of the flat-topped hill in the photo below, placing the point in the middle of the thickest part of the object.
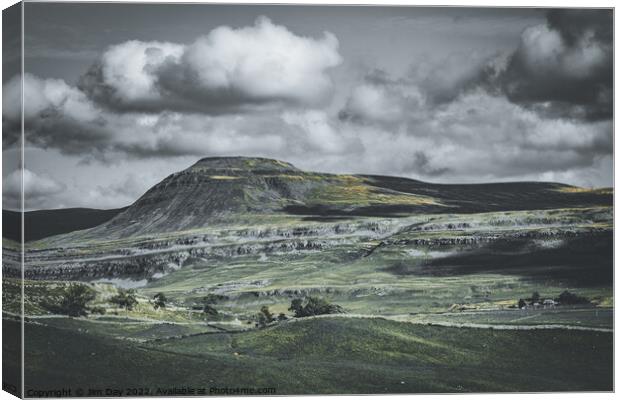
(241, 164)
(220, 189)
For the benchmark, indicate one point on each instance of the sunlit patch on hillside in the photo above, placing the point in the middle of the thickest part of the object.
(224, 177)
(577, 189)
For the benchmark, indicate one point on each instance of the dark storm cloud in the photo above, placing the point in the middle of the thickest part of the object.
(573, 24)
(564, 68)
(11, 43)
(11, 68)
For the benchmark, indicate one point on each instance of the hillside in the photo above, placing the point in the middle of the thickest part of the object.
(357, 356)
(44, 223)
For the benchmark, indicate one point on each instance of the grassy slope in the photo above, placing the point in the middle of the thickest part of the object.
(489, 197)
(329, 355)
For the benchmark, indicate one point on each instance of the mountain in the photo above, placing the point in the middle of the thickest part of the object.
(218, 189)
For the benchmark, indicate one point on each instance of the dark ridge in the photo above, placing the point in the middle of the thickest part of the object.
(490, 197)
(45, 223)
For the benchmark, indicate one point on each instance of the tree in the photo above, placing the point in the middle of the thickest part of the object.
(159, 301)
(569, 298)
(297, 307)
(535, 297)
(521, 303)
(313, 306)
(125, 299)
(74, 301)
(265, 317)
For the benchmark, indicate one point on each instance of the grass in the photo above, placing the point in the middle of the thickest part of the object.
(126, 328)
(352, 191)
(329, 355)
(578, 316)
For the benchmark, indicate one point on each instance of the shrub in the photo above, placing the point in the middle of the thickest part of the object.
(264, 317)
(125, 299)
(209, 310)
(209, 301)
(98, 310)
(159, 301)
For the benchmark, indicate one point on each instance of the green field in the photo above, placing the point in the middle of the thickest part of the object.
(327, 355)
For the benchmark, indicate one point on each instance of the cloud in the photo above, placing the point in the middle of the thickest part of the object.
(443, 80)
(564, 68)
(317, 132)
(55, 113)
(479, 135)
(227, 70)
(384, 100)
(428, 83)
(127, 74)
(123, 192)
(560, 69)
(37, 189)
(62, 117)
(389, 124)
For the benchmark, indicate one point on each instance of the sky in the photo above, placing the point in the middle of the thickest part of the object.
(119, 96)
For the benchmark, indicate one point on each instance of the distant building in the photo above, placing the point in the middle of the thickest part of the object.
(549, 303)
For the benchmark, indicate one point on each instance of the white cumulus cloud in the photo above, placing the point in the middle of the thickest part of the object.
(226, 70)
